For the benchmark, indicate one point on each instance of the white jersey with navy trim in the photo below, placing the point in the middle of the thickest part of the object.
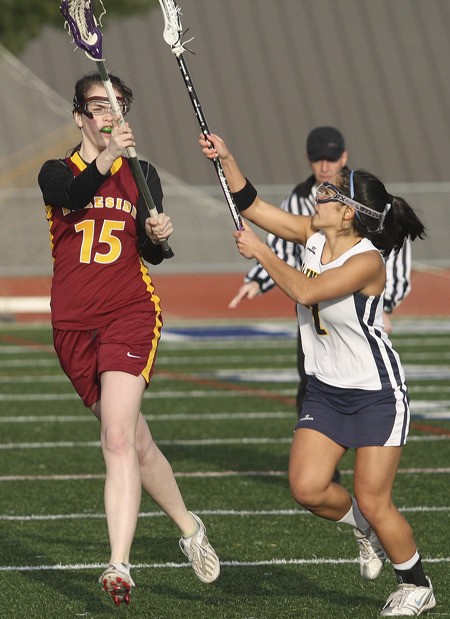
(343, 339)
(301, 202)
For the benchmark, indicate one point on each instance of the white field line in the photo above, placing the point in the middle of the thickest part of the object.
(50, 397)
(168, 417)
(230, 344)
(36, 349)
(237, 373)
(403, 326)
(429, 389)
(208, 361)
(36, 380)
(39, 380)
(175, 346)
(148, 395)
(30, 419)
(209, 512)
(424, 409)
(418, 407)
(189, 442)
(287, 376)
(25, 363)
(213, 360)
(158, 566)
(204, 474)
(420, 373)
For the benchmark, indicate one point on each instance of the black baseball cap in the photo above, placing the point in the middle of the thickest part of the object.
(325, 143)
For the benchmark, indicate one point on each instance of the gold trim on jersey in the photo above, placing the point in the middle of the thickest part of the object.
(158, 322)
(82, 165)
(49, 218)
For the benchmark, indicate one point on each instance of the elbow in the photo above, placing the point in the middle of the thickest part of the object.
(305, 298)
(71, 204)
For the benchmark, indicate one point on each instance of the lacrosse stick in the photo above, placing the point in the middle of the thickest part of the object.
(79, 15)
(172, 36)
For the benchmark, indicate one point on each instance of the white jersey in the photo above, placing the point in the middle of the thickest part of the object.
(343, 339)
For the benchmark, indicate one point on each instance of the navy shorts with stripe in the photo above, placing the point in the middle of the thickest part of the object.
(356, 417)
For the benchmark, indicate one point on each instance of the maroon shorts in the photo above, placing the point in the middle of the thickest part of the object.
(126, 345)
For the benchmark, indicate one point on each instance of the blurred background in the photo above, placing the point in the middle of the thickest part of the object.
(266, 72)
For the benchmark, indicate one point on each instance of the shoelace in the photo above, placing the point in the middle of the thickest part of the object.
(366, 548)
(196, 553)
(400, 596)
(199, 555)
(199, 549)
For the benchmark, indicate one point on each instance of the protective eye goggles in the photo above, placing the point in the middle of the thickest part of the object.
(99, 106)
(327, 192)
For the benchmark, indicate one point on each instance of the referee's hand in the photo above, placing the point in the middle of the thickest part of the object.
(248, 291)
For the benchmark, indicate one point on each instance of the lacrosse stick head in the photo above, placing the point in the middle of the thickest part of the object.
(79, 15)
(172, 23)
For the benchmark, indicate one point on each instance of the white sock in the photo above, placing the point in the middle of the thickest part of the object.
(355, 519)
(408, 564)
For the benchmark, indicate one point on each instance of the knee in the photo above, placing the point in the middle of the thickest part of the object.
(116, 442)
(306, 493)
(371, 507)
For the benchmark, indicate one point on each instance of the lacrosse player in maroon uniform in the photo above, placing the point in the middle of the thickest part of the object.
(107, 321)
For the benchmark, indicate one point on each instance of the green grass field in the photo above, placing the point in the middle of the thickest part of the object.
(221, 408)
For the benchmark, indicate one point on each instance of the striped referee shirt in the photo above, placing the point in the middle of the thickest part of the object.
(301, 202)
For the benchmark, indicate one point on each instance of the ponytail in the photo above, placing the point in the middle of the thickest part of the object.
(397, 221)
(402, 223)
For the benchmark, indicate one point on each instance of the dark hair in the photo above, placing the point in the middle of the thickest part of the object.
(400, 220)
(88, 81)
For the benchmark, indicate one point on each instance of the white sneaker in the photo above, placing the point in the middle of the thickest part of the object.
(371, 554)
(200, 553)
(117, 583)
(409, 601)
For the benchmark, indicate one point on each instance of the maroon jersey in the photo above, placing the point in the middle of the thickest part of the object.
(98, 273)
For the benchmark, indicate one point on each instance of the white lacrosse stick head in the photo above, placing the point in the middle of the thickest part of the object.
(172, 23)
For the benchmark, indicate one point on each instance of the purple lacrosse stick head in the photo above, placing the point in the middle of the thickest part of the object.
(79, 15)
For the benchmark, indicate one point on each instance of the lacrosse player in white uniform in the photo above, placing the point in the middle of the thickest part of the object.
(356, 396)
(327, 155)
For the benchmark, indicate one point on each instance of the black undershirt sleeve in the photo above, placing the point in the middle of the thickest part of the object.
(60, 188)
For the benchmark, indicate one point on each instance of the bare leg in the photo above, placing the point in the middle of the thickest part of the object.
(312, 463)
(375, 471)
(118, 410)
(133, 461)
(158, 479)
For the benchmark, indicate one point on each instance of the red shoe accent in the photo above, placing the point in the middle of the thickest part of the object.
(115, 589)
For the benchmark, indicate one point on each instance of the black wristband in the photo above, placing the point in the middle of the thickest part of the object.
(245, 197)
